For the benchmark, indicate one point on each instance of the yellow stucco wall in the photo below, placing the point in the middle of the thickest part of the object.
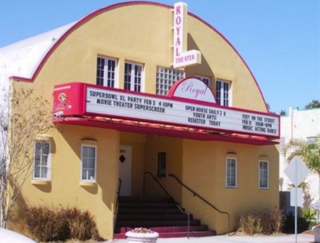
(141, 32)
(138, 36)
(211, 185)
(173, 149)
(64, 188)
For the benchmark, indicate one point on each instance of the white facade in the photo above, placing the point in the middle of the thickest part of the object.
(304, 125)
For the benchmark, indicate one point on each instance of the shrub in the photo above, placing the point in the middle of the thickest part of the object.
(249, 223)
(264, 222)
(289, 224)
(309, 214)
(60, 224)
(44, 224)
(82, 225)
(272, 221)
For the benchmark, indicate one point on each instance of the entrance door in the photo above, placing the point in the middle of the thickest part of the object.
(125, 163)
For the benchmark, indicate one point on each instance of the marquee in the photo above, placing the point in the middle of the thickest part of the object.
(196, 111)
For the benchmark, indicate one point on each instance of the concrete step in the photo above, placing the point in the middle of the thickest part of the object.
(157, 214)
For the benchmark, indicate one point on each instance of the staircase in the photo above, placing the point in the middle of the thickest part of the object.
(157, 214)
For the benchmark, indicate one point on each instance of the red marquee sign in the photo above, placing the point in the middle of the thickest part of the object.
(189, 106)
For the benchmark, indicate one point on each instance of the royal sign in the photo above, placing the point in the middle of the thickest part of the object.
(192, 88)
(181, 56)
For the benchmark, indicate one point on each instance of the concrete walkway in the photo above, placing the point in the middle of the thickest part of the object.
(301, 238)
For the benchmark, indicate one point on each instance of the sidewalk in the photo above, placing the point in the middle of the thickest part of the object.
(301, 238)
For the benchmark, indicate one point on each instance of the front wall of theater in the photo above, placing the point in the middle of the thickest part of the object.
(142, 33)
(206, 175)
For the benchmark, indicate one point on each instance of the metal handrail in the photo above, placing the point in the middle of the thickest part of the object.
(118, 193)
(188, 216)
(204, 200)
(115, 214)
(155, 179)
(167, 196)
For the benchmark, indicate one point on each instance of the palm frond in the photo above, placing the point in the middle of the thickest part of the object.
(308, 152)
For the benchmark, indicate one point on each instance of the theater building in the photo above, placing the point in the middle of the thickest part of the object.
(144, 87)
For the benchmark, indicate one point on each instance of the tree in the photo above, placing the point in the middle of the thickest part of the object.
(268, 108)
(22, 118)
(283, 113)
(313, 104)
(309, 152)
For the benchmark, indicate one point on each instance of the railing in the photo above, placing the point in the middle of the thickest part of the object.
(118, 192)
(115, 214)
(158, 183)
(167, 196)
(188, 217)
(204, 200)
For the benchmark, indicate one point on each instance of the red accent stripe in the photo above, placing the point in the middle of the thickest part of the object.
(160, 129)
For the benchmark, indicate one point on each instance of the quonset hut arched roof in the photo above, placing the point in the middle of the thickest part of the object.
(24, 59)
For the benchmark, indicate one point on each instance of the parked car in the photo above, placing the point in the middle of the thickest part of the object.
(8, 236)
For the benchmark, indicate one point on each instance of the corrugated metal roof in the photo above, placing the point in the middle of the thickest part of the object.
(22, 58)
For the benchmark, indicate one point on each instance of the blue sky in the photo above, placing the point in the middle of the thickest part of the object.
(278, 39)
